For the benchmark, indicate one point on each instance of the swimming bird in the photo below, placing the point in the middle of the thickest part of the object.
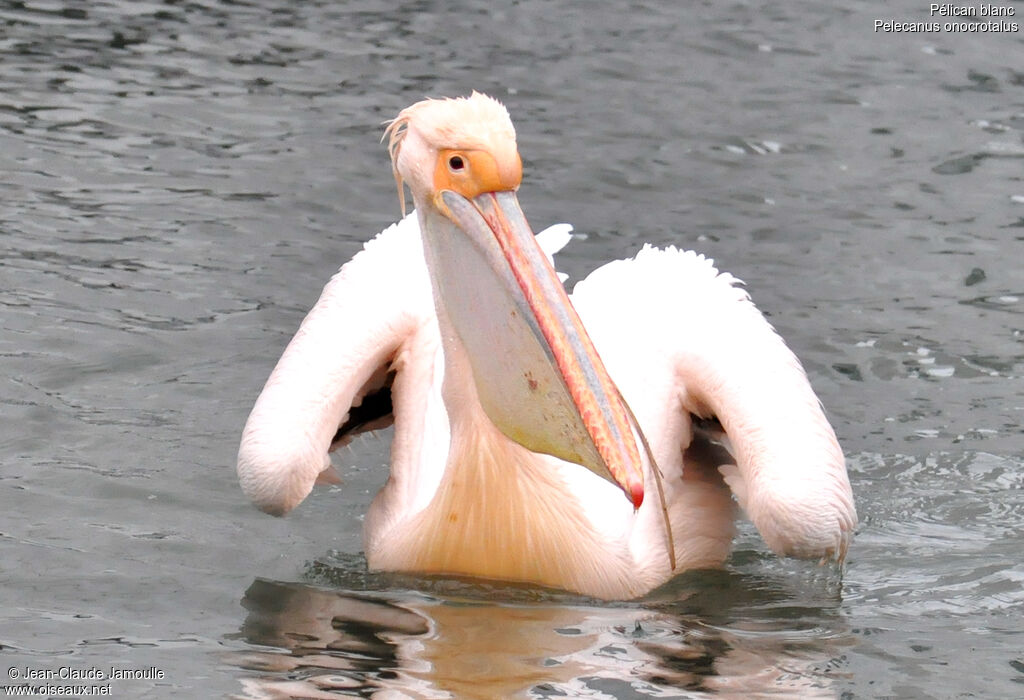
(597, 443)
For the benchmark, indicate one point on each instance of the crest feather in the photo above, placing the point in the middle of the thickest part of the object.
(394, 133)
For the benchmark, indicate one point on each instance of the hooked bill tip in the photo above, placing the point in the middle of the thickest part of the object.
(636, 494)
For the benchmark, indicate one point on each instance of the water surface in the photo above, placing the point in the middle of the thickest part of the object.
(181, 178)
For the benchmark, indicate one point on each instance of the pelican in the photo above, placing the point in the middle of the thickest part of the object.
(598, 443)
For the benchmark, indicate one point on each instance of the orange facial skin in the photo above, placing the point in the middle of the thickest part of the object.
(474, 172)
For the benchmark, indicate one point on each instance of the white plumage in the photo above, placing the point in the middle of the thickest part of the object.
(678, 338)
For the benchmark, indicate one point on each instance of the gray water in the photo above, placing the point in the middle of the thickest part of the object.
(181, 178)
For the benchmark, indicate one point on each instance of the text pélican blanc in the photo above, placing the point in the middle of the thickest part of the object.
(988, 10)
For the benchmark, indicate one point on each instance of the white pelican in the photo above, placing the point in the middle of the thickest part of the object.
(510, 403)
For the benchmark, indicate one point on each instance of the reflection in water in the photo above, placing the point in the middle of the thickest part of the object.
(334, 643)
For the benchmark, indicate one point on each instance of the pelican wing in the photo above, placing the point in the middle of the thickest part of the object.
(341, 354)
(375, 318)
(668, 317)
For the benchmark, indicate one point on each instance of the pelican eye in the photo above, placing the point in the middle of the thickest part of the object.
(456, 164)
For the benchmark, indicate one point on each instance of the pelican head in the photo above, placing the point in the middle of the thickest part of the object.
(537, 375)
